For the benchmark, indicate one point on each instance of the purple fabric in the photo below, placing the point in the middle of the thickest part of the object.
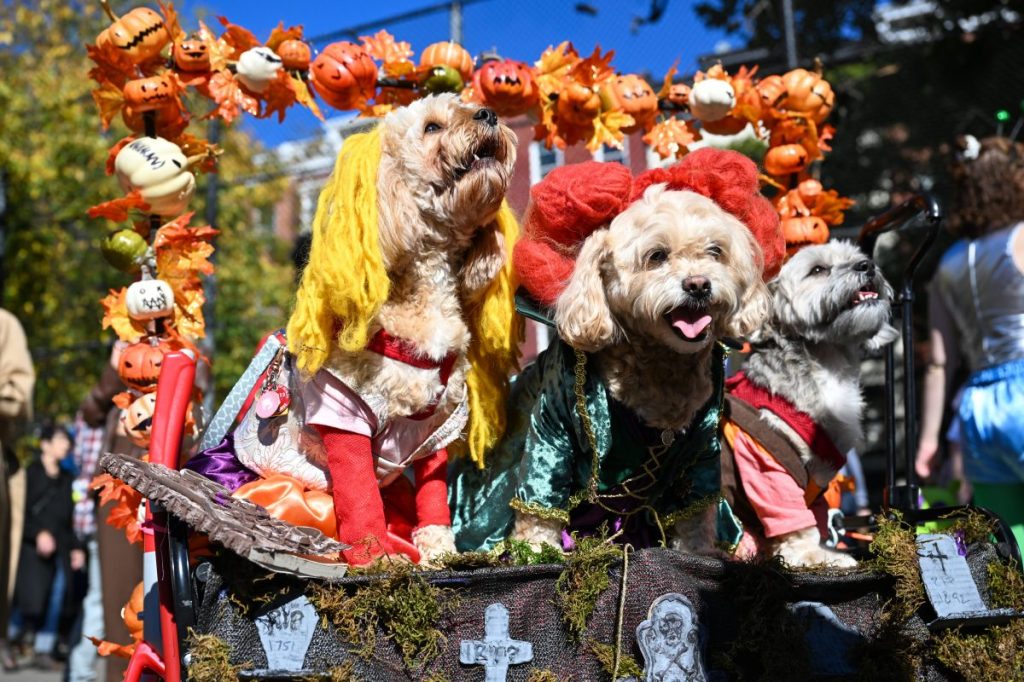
(220, 465)
(637, 527)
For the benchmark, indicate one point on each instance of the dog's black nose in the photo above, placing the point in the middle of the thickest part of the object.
(865, 265)
(486, 115)
(697, 286)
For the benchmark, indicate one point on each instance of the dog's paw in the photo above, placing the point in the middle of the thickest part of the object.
(483, 263)
(537, 531)
(433, 541)
(802, 549)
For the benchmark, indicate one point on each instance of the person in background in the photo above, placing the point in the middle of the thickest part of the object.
(17, 379)
(976, 313)
(49, 547)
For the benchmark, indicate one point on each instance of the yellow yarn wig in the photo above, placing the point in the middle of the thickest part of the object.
(345, 284)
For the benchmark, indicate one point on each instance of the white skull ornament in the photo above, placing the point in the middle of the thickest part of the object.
(149, 299)
(257, 67)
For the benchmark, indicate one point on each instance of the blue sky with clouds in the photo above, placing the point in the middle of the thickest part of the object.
(519, 29)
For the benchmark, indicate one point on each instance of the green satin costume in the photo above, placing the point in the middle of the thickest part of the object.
(543, 465)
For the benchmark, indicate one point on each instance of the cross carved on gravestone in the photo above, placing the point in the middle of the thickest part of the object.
(496, 652)
(937, 555)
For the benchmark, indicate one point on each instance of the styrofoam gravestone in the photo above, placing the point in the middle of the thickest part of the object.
(286, 632)
(669, 641)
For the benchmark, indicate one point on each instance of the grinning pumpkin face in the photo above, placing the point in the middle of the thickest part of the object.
(344, 74)
(448, 54)
(192, 55)
(295, 54)
(578, 104)
(802, 231)
(137, 419)
(506, 86)
(140, 363)
(633, 95)
(786, 159)
(141, 34)
(148, 94)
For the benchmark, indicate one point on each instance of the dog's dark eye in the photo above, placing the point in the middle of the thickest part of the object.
(431, 128)
(819, 270)
(657, 257)
(715, 251)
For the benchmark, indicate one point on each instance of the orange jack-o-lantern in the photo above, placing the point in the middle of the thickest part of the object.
(148, 94)
(803, 230)
(344, 74)
(786, 159)
(772, 91)
(141, 34)
(192, 55)
(140, 363)
(137, 419)
(578, 104)
(632, 95)
(679, 94)
(171, 119)
(448, 54)
(506, 86)
(131, 613)
(294, 54)
(808, 93)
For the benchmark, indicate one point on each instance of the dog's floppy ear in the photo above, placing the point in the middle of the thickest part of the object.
(484, 261)
(582, 316)
(754, 311)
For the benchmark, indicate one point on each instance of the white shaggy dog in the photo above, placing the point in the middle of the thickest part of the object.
(829, 303)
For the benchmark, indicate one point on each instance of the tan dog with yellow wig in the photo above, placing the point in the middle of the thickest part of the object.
(404, 325)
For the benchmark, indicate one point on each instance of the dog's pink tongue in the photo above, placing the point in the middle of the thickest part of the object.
(690, 322)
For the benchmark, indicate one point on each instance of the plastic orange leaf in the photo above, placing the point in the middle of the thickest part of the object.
(825, 136)
(666, 83)
(608, 129)
(830, 207)
(115, 316)
(109, 100)
(112, 65)
(126, 500)
(230, 98)
(304, 97)
(238, 37)
(393, 55)
(219, 49)
(595, 69)
(123, 399)
(105, 648)
(112, 154)
(671, 137)
(279, 95)
(188, 308)
(119, 209)
(171, 19)
(554, 65)
(281, 34)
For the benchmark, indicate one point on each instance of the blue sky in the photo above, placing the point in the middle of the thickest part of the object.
(519, 29)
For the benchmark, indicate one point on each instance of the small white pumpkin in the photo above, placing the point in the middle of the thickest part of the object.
(158, 169)
(711, 99)
(149, 299)
(257, 67)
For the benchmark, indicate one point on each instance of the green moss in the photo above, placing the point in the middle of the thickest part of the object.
(401, 604)
(542, 675)
(467, 561)
(975, 526)
(438, 676)
(520, 553)
(996, 654)
(895, 551)
(582, 581)
(605, 653)
(210, 659)
(1006, 585)
(767, 628)
(250, 588)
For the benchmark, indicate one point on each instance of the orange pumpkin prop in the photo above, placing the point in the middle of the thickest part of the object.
(131, 614)
(139, 367)
(192, 55)
(772, 91)
(137, 419)
(448, 54)
(506, 86)
(148, 94)
(803, 230)
(344, 74)
(786, 159)
(808, 93)
(170, 120)
(633, 95)
(295, 54)
(141, 34)
(578, 104)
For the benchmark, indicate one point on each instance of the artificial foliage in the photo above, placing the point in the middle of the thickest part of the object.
(210, 659)
(584, 578)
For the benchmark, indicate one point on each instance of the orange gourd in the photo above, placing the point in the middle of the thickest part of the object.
(191, 55)
(448, 54)
(171, 119)
(807, 93)
(578, 104)
(633, 95)
(506, 86)
(137, 419)
(772, 90)
(344, 74)
(131, 613)
(141, 34)
(294, 54)
(148, 94)
(803, 230)
(139, 366)
(786, 159)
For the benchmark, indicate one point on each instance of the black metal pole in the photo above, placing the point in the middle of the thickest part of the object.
(210, 282)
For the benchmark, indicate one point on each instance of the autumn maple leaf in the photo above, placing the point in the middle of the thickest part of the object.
(220, 50)
(281, 34)
(608, 129)
(830, 207)
(112, 65)
(230, 98)
(394, 56)
(238, 37)
(115, 316)
(666, 83)
(671, 137)
(304, 97)
(109, 100)
(118, 210)
(126, 500)
(171, 19)
(554, 65)
(105, 648)
(595, 69)
(279, 95)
